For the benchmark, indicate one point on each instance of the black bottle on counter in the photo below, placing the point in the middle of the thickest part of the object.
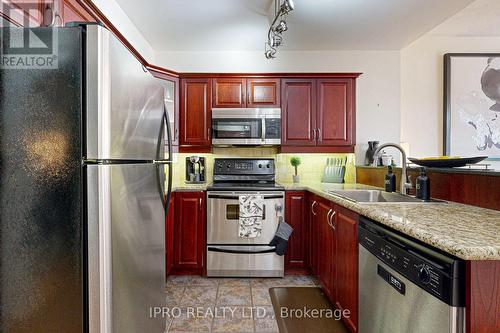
(423, 186)
(390, 180)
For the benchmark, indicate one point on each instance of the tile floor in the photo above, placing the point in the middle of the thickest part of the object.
(199, 304)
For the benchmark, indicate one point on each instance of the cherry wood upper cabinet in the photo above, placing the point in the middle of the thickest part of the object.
(72, 11)
(229, 92)
(263, 93)
(295, 215)
(44, 12)
(298, 113)
(318, 115)
(189, 242)
(335, 112)
(196, 114)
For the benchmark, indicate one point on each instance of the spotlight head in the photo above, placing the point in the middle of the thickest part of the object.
(287, 7)
(281, 27)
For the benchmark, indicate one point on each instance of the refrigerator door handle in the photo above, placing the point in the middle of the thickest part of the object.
(169, 189)
(160, 144)
(165, 199)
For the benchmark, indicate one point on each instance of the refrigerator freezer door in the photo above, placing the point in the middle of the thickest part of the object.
(126, 244)
(41, 251)
(124, 103)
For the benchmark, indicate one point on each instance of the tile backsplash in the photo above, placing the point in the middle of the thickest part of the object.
(310, 170)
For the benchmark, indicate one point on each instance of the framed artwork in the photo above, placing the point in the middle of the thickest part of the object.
(472, 105)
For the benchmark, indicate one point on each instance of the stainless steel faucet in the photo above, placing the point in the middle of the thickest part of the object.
(405, 180)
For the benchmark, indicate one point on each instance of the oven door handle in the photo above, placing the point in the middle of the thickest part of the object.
(238, 251)
(236, 197)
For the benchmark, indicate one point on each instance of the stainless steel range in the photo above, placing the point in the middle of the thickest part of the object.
(229, 254)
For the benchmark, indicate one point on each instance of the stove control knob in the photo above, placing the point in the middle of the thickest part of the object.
(424, 275)
(260, 166)
(269, 166)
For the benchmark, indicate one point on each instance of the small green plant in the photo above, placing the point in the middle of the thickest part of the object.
(295, 162)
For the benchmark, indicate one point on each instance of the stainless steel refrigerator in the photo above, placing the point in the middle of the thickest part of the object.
(85, 176)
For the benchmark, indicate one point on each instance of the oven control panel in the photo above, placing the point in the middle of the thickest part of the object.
(241, 166)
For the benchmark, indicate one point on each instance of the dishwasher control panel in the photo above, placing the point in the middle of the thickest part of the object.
(440, 274)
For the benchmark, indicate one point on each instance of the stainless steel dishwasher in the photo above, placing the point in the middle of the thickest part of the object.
(406, 286)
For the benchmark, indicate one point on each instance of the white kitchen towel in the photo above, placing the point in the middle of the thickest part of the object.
(251, 211)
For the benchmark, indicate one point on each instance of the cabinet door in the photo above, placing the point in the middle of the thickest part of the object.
(346, 288)
(335, 112)
(298, 112)
(229, 93)
(72, 11)
(295, 216)
(171, 98)
(263, 93)
(24, 13)
(326, 248)
(169, 235)
(313, 235)
(189, 232)
(196, 113)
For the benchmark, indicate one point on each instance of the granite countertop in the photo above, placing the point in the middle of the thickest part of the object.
(185, 187)
(467, 232)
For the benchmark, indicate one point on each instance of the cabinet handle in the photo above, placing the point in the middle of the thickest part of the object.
(328, 217)
(208, 133)
(331, 220)
(200, 203)
(312, 207)
(320, 138)
(314, 135)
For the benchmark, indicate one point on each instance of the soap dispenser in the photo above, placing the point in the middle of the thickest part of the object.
(423, 186)
(390, 180)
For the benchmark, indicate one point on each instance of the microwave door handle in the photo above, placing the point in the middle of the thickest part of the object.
(263, 134)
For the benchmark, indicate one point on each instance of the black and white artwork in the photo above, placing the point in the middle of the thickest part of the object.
(472, 105)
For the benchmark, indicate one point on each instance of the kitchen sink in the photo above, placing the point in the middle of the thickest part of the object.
(368, 196)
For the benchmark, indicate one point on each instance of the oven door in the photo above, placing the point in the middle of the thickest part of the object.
(223, 213)
(244, 261)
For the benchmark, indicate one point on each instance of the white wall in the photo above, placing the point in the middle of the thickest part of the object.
(475, 29)
(378, 89)
(123, 23)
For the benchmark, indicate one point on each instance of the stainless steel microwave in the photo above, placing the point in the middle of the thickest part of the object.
(248, 126)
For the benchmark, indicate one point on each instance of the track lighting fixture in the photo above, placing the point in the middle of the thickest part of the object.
(278, 27)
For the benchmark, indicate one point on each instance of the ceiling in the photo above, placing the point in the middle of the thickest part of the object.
(241, 25)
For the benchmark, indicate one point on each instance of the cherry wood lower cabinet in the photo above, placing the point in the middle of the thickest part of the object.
(314, 232)
(346, 262)
(483, 296)
(189, 231)
(169, 236)
(326, 251)
(333, 255)
(295, 216)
